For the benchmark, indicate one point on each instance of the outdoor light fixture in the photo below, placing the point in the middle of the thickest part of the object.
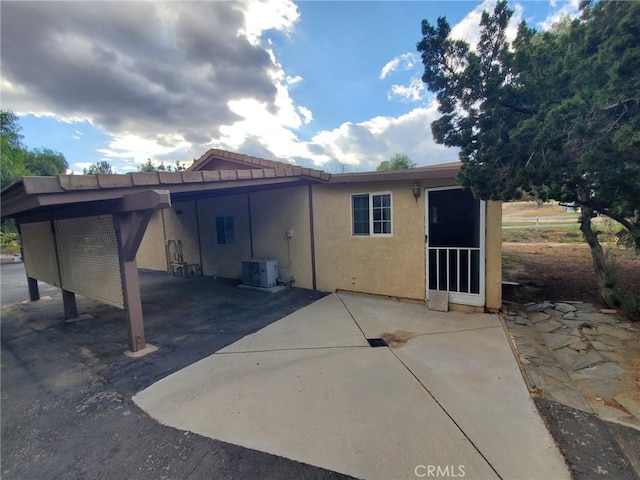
(416, 191)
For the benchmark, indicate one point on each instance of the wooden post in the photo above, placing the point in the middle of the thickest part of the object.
(133, 220)
(34, 293)
(32, 283)
(70, 306)
(135, 324)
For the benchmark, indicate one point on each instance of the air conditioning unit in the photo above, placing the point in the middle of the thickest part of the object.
(260, 272)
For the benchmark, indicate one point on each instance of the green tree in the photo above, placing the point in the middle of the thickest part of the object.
(397, 162)
(554, 115)
(45, 162)
(12, 152)
(99, 167)
(150, 167)
(17, 160)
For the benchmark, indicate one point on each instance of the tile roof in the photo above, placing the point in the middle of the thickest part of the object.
(33, 192)
(250, 162)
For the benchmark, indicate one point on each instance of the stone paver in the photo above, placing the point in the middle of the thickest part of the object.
(596, 317)
(565, 307)
(631, 402)
(607, 370)
(616, 332)
(555, 341)
(601, 347)
(548, 326)
(536, 317)
(580, 357)
(590, 358)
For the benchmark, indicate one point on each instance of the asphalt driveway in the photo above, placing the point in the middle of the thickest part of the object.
(67, 387)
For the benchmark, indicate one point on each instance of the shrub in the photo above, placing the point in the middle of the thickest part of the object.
(9, 243)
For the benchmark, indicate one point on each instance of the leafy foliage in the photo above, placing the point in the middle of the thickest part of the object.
(11, 149)
(17, 160)
(9, 242)
(555, 115)
(45, 162)
(149, 167)
(99, 167)
(397, 162)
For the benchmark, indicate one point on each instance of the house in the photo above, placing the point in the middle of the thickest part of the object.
(402, 233)
(397, 233)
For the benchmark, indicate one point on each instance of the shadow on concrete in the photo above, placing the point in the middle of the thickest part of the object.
(66, 387)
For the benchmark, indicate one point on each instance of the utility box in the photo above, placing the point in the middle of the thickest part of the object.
(260, 272)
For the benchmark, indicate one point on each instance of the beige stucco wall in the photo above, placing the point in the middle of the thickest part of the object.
(273, 212)
(493, 247)
(224, 260)
(151, 253)
(393, 266)
(181, 224)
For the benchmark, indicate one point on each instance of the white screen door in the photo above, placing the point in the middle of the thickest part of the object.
(455, 239)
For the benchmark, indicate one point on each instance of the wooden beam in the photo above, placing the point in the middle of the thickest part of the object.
(146, 200)
(133, 225)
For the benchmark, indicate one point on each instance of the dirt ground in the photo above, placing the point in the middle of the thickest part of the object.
(561, 271)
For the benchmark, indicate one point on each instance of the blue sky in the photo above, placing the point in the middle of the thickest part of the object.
(314, 83)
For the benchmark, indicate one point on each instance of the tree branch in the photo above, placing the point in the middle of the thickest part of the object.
(516, 108)
(635, 231)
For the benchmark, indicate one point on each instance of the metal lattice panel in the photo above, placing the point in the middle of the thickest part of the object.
(40, 252)
(89, 260)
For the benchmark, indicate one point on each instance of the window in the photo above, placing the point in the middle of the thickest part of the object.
(224, 230)
(371, 214)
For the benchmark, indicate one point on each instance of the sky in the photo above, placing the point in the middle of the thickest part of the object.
(331, 85)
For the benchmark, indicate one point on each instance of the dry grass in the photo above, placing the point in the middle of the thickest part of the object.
(533, 210)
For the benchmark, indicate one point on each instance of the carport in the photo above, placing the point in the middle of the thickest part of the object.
(81, 233)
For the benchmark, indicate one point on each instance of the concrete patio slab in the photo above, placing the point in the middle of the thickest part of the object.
(355, 411)
(377, 315)
(473, 375)
(306, 388)
(324, 323)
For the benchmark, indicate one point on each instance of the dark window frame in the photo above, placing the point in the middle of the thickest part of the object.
(225, 230)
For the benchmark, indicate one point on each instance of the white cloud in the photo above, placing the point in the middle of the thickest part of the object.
(263, 15)
(294, 80)
(406, 61)
(408, 93)
(368, 143)
(306, 114)
(153, 72)
(468, 29)
(139, 149)
(154, 85)
(570, 8)
(389, 67)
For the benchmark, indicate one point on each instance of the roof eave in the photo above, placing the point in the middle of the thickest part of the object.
(435, 172)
